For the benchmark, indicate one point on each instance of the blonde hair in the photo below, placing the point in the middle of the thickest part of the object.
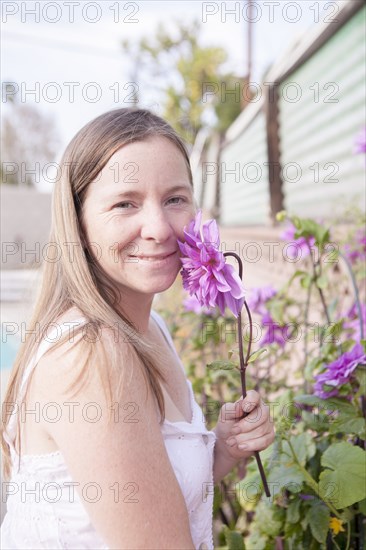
(79, 281)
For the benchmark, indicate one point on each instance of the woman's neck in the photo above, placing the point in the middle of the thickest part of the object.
(138, 311)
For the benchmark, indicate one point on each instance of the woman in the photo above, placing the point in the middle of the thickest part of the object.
(104, 443)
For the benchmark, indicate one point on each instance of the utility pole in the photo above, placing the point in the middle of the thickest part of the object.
(249, 39)
(245, 98)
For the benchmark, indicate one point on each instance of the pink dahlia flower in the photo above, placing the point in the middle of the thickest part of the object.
(360, 144)
(274, 334)
(258, 298)
(191, 303)
(354, 322)
(205, 272)
(356, 251)
(297, 248)
(339, 372)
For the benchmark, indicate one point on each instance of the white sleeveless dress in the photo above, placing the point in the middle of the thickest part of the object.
(45, 511)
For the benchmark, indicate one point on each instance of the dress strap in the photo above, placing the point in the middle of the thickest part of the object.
(164, 329)
(53, 336)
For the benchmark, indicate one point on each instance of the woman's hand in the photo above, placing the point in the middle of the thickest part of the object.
(245, 426)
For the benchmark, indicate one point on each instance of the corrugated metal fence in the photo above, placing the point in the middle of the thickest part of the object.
(319, 107)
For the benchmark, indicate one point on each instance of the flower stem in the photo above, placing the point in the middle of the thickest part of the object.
(250, 331)
(335, 544)
(306, 318)
(355, 289)
(244, 364)
(348, 534)
(315, 277)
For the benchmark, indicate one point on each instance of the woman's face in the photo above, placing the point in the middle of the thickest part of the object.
(135, 211)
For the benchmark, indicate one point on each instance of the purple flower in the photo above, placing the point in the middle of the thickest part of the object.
(298, 248)
(360, 143)
(358, 251)
(339, 372)
(205, 273)
(192, 304)
(275, 334)
(258, 297)
(354, 322)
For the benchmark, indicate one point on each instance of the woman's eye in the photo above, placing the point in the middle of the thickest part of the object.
(177, 199)
(128, 205)
(123, 205)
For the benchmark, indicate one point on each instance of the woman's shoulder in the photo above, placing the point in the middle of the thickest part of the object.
(75, 339)
(160, 320)
(71, 315)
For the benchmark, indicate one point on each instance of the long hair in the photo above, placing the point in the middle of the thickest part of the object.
(76, 280)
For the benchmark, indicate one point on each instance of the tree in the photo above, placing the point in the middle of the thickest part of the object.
(188, 77)
(29, 141)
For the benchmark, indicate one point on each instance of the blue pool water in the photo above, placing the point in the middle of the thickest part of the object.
(8, 351)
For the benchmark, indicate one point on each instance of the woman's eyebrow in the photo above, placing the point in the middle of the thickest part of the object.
(134, 193)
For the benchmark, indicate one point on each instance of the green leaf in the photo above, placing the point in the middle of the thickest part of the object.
(249, 489)
(217, 500)
(322, 236)
(270, 519)
(281, 216)
(227, 376)
(221, 365)
(256, 541)
(276, 308)
(305, 227)
(362, 506)
(297, 273)
(332, 308)
(332, 331)
(303, 446)
(349, 426)
(234, 540)
(334, 404)
(319, 516)
(344, 481)
(360, 373)
(322, 282)
(339, 415)
(293, 511)
(296, 221)
(253, 356)
(286, 476)
(306, 281)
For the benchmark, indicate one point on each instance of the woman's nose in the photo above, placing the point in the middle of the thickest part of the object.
(156, 225)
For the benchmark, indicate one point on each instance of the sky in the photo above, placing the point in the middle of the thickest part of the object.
(69, 52)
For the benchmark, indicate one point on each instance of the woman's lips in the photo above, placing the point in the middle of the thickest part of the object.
(153, 257)
(156, 259)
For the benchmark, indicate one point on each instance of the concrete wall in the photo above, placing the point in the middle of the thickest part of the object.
(25, 226)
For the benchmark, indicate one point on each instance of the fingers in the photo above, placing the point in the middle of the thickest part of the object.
(256, 440)
(249, 403)
(259, 415)
(252, 429)
(241, 407)
(257, 444)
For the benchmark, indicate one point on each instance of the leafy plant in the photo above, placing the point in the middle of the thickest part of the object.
(315, 388)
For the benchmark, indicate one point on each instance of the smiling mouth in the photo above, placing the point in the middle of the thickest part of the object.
(154, 258)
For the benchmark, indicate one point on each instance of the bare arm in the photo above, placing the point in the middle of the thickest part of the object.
(141, 504)
(223, 462)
